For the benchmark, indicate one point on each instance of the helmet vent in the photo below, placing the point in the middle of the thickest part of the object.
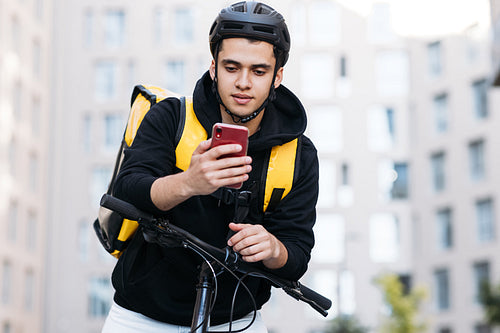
(262, 9)
(240, 7)
(267, 30)
(232, 26)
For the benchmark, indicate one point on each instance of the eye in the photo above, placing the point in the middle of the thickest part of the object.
(259, 72)
(231, 68)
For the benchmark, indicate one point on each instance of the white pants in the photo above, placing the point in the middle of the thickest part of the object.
(121, 320)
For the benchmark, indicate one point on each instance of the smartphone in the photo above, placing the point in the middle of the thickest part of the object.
(223, 134)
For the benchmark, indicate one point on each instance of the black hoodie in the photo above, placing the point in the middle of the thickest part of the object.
(160, 282)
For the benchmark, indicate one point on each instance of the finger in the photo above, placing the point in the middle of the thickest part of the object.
(218, 151)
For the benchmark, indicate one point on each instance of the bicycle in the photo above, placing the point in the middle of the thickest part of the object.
(215, 261)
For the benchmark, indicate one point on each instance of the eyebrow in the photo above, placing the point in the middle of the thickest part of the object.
(237, 63)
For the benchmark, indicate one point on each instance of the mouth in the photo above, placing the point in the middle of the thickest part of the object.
(241, 99)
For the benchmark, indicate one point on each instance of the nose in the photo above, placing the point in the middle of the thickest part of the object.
(243, 81)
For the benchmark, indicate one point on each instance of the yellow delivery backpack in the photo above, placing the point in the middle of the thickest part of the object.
(115, 232)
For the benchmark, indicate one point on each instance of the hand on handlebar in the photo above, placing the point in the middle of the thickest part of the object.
(254, 243)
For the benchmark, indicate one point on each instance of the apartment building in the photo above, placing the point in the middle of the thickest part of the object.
(25, 51)
(455, 163)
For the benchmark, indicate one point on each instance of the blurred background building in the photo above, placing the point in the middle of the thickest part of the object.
(26, 42)
(404, 125)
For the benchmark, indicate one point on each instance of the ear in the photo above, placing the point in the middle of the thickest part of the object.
(212, 69)
(279, 78)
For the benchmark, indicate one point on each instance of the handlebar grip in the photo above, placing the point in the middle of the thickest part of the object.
(321, 300)
(124, 209)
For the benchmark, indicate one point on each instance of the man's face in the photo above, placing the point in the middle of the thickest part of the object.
(245, 73)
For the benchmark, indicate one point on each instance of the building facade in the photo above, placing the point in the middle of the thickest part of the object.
(25, 95)
(455, 161)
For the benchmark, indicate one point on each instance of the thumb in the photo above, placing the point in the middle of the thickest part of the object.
(236, 226)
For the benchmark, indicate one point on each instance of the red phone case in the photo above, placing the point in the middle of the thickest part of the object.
(223, 134)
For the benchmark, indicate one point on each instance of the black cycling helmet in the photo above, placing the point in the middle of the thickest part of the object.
(252, 20)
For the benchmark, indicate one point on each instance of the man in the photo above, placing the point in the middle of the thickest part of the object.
(155, 286)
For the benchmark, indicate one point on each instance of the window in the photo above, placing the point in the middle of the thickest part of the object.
(400, 185)
(16, 36)
(434, 55)
(159, 25)
(438, 171)
(99, 183)
(325, 282)
(393, 180)
(176, 76)
(31, 232)
(485, 220)
(344, 174)
(33, 172)
(392, 73)
(476, 160)
(35, 116)
(100, 296)
(441, 113)
(380, 24)
(325, 128)
(29, 291)
(13, 157)
(444, 228)
(37, 55)
(298, 23)
(479, 92)
(442, 289)
(481, 275)
(17, 100)
(384, 238)
(88, 28)
(114, 125)
(330, 233)
(183, 26)
(87, 133)
(39, 9)
(83, 240)
(343, 67)
(326, 196)
(317, 74)
(381, 132)
(114, 28)
(13, 222)
(324, 23)
(105, 80)
(7, 282)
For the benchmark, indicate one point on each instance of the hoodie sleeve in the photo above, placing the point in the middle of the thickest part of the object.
(151, 156)
(293, 220)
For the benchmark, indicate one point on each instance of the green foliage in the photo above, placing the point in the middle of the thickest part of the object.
(404, 307)
(345, 324)
(490, 299)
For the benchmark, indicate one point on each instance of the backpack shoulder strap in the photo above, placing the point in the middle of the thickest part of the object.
(190, 133)
(280, 174)
(143, 98)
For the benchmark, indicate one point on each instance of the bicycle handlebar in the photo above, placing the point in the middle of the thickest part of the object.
(230, 258)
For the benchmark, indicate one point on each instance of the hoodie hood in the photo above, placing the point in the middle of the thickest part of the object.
(284, 119)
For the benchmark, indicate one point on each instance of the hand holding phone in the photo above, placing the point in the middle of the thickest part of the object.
(223, 134)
